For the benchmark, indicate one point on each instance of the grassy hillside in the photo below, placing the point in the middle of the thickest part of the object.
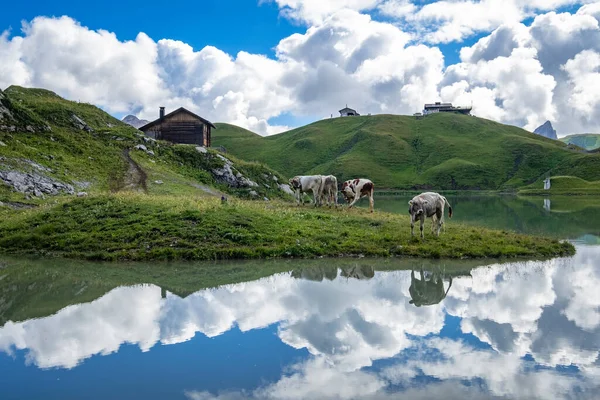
(149, 200)
(587, 141)
(79, 144)
(443, 151)
(564, 185)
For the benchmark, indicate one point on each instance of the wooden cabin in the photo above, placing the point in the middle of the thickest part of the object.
(180, 126)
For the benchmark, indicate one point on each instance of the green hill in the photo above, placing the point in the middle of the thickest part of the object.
(442, 151)
(79, 147)
(587, 141)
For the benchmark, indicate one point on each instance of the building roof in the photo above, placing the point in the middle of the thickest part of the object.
(438, 105)
(347, 109)
(179, 110)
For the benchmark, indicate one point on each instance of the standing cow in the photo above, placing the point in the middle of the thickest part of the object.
(354, 189)
(428, 205)
(307, 183)
(329, 190)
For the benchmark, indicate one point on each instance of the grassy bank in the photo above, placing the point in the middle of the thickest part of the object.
(146, 227)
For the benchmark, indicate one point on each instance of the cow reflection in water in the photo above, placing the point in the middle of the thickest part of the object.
(427, 292)
(319, 273)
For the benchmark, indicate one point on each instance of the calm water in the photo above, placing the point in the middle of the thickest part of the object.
(319, 329)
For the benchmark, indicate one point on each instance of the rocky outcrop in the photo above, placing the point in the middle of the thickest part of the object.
(135, 121)
(546, 130)
(34, 184)
(229, 175)
(80, 124)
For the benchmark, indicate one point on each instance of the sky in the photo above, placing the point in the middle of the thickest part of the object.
(271, 65)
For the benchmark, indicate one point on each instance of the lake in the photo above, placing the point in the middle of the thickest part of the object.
(316, 329)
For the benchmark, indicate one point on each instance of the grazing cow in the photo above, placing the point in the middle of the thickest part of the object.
(427, 205)
(354, 189)
(427, 292)
(329, 190)
(306, 183)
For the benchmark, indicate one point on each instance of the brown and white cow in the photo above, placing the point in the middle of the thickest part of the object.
(329, 190)
(428, 205)
(355, 189)
(307, 183)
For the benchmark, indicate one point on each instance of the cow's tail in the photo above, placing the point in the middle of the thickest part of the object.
(449, 207)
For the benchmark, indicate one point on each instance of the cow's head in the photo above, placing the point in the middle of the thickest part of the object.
(295, 182)
(348, 191)
(416, 206)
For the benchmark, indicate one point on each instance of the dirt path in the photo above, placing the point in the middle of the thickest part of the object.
(135, 177)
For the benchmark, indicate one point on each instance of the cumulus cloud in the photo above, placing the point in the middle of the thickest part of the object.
(517, 74)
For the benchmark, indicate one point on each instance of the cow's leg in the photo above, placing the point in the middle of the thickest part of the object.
(371, 201)
(439, 214)
(297, 197)
(421, 223)
(412, 225)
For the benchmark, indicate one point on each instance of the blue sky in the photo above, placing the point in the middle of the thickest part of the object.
(231, 26)
(375, 59)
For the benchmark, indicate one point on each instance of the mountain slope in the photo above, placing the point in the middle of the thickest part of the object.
(588, 141)
(135, 121)
(440, 151)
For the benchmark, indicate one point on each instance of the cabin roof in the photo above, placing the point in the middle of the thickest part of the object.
(347, 109)
(179, 110)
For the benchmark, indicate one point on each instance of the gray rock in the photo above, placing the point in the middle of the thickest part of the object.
(80, 124)
(82, 194)
(275, 178)
(159, 182)
(253, 193)
(224, 159)
(201, 149)
(546, 130)
(34, 183)
(150, 152)
(141, 147)
(286, 188)
(265, 198)
(2, 143)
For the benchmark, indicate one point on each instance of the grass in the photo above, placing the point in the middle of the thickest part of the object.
(442, 151)
(565, 186)
(133, 226)
(587, 141)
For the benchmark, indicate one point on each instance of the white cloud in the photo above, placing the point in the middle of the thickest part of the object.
(520, 75)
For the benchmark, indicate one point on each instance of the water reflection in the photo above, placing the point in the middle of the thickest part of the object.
(427, 292)
(516, 330)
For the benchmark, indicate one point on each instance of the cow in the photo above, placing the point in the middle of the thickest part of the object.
(329, 190)
(427, 205)
(306, 183)
(427, 292)
(354, 189)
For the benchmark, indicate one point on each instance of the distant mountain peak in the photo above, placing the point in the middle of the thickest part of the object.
(546, 130)
(135, 121)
